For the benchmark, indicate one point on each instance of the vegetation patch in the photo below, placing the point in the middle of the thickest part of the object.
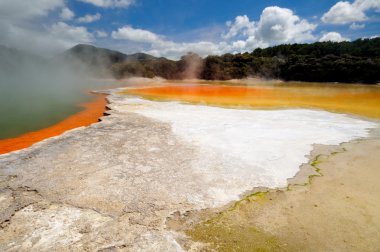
(350, 62)
(223, 236)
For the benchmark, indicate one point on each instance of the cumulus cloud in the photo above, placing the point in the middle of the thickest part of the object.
(276, 25)
(333, 37)
(70, 33)
(280, 25)
(20, 27)
(136, 35)
(66, 14)
(89, 18)
(345, 12)
(241, 25)
(110, 3)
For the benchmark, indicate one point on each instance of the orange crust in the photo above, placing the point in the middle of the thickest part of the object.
(355, 100)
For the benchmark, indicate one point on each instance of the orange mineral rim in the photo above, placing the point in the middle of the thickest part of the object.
(91, 113)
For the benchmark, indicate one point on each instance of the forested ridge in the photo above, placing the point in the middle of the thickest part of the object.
(357, 61)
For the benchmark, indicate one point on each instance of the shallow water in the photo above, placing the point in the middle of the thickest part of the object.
(360, 100)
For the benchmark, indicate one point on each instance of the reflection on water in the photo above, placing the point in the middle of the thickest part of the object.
(359, 100)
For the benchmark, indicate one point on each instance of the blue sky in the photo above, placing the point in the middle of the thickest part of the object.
(173, 16)
(170, 28)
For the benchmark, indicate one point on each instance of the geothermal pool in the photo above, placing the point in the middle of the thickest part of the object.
(164, 149)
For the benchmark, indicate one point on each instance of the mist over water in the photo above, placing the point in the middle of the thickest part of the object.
(37, 92)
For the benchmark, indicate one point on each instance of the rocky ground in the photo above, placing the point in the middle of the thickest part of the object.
(73, 193)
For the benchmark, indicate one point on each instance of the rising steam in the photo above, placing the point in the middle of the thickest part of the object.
(192, 66)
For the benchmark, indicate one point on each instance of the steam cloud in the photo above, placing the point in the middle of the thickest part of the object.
(36, 92)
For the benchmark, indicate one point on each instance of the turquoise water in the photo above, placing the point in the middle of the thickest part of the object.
(34, 105)
(24, 110)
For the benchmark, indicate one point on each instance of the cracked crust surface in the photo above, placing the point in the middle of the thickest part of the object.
(76, 186)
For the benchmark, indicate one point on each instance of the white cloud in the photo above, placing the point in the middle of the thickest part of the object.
(110, 3)
(276, 25)
(280, 25)
(241, 25)
(66, 14)
(101, 34)
(136, 35)
(21, 27)
(89, 18)
(48, 41)
(355, 26)
(345, 12)
(69, 33)
(334, 37)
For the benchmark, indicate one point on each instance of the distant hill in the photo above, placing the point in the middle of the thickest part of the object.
(91, 56)
(98, 60)
(141, 57)
(95, 56)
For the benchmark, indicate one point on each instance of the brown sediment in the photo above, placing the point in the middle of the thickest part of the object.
(336, 211)
(352, 99)
(91, 113)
